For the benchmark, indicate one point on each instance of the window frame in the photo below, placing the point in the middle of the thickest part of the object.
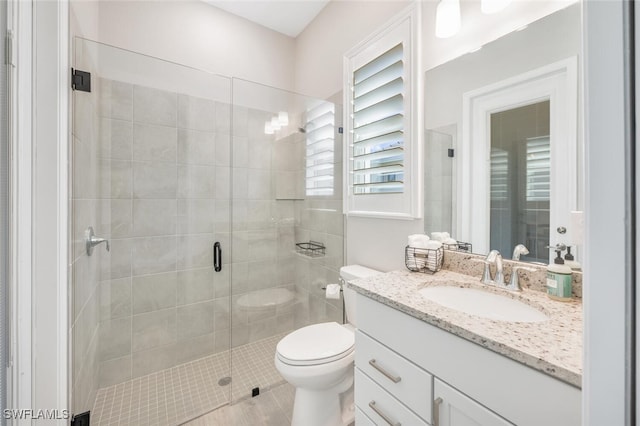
(403, 28)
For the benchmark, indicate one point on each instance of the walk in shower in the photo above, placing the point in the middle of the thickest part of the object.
(176, 168)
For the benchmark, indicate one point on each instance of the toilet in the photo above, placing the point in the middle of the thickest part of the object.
(318, 361)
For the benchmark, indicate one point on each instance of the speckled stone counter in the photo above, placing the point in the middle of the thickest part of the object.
(553, 347)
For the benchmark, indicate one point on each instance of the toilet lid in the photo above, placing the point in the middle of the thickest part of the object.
(316, 344)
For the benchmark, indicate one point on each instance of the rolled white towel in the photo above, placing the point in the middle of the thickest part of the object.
(417, 240)
(437, 236)
(433, 245)
(450, 241)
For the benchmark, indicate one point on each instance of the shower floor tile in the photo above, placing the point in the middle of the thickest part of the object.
(173, 396)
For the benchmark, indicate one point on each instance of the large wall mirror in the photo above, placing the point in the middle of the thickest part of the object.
(503, 146)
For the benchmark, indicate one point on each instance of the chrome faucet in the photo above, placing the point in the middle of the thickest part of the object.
(514, 282)
(493, 258)
(519, 250)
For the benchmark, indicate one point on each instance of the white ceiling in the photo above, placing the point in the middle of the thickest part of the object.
(288, 17)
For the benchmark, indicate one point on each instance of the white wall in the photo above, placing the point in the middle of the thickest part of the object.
(195, 34)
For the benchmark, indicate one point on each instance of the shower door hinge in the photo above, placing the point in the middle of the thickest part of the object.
(450, 153)
(80, 80)
(81, 419)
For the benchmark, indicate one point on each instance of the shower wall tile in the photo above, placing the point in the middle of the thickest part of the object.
(222, 282)
(154, 217)
(259, 154)
(154, 143)
(154, 292)
(196, 113)
(223, 118)
(115, 371)
(223, 149)
(116, 139)
(115, 299)
(259, 214)
(196, 181)
(196, 147)
(121, 220)
(118, 262)
(153, 106)
(223, 183)
(195, 285)
(149, 361)
(120, 100)
(118, 183)
(240, 151)
(195, 348)
(196, 216)
(259, 184)
(195, 320)
(153, 330)
(240, 185)
(85, 164)
(195, 251)
(154, 180)
(154, 255)
(115, 338)
(221, 317)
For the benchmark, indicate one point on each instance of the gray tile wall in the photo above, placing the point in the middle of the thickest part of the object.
(163, 158)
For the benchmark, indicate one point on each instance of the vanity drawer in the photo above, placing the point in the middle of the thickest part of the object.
(380, 406)
(399, 376)
(362, 419)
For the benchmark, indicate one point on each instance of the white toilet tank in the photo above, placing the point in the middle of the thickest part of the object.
(348, 273)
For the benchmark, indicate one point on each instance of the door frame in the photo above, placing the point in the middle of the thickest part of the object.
(557, 82)
(39, 197)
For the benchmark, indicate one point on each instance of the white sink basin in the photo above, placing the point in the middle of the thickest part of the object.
(483, 304)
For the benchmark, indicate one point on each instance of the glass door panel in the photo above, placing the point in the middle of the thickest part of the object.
(150, 174)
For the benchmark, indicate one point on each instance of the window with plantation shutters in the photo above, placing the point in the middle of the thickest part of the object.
(383, 135)
(320, 128)
(378, 125)
(538, 162)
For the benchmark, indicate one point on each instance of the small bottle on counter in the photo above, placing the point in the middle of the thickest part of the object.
(570, 261)
(559, 279)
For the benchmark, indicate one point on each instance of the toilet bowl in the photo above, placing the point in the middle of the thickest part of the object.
(318, 361)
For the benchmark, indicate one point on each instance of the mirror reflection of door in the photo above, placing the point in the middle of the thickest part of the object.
(520, 181)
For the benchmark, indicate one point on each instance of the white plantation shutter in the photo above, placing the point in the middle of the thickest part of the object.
(382, 121)
(499, 174)
(320, 126)
(538, 169)
(378, 112)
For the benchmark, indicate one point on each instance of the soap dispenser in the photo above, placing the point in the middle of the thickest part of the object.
(559, 279)
(570, 261)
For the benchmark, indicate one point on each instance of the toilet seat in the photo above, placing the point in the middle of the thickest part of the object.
(316, 344)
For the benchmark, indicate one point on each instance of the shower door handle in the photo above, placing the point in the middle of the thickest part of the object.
(217, 257)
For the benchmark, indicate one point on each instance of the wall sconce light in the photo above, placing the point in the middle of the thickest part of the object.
(492, 6)
(268, 129)
(283, 118)
(447, 18)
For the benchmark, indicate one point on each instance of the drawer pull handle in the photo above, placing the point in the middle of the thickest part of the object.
(394, 379)
(436, 411)
(386, 418)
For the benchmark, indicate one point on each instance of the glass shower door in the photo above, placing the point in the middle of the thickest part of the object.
(151, 161)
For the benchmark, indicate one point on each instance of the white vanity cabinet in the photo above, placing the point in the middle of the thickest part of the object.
(423, 375)
(453, 408)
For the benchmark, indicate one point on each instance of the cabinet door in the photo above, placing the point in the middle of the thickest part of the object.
(453, 408)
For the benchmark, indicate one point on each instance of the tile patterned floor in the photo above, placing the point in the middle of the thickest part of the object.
(272, 408)
(176, 395)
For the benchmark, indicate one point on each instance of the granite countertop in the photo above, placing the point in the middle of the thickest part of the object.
(553, 347)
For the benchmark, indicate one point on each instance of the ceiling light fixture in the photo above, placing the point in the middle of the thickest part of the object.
(492, 6)
(447, 18)
(283, 118)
